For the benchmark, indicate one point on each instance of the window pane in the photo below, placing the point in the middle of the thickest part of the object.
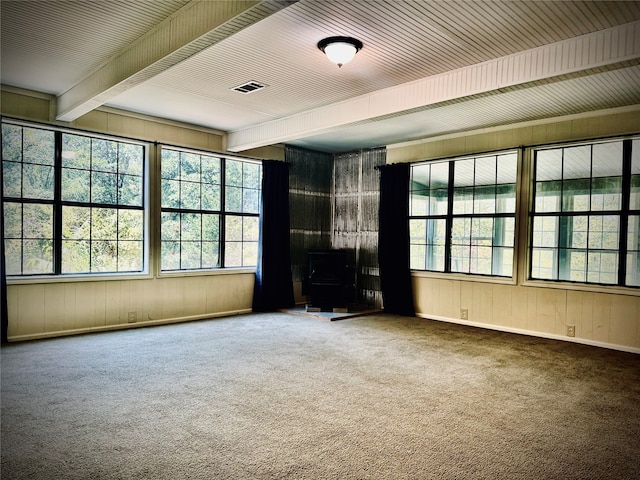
(460, 258)
(130, 225)
(104, 188)
(545, 231)
(190, 195)
(130, 190)
(190, 255)
(603, 232)
(211, 170)
(210, 228)
(38, 146)
(104, 155)
(251, 201)
(573, 265)
(76, 223)
(131, 159)
(191, 227)
(11, 142)
(170, 256)
(439, 175)
(12, 179)
(13, 256)
(606, 193)
(38, 181)
(543, 262)
(251, 175)
(76, 185)
(417, 257)
(548, 165)
(480, 261)
(575, 195)
(507, 168)
(504, 231)
(211, 197)
(233, 254)
(76, 152)
(602, 267)
(485, 173)
(482, 231)
(633, 269)
(37, 257)
(233, 199)
(170, 194)
(438, 202)
(249, 254)
(463, 200)
(577, 162)
(502, 261)
(233, 173)
(250, 230)
(233, 228)
(634, 200)
(130, 254)
(420, 175)
(104, 224)
(12, 220)
(607, 159)
(548, 196)
(211, 255)
(170, 164)
(506, 198)
(37, 221)
(484, 199)
(76, 256)
(419, 202)
(464, 173)
(190, 167)
(461, 231)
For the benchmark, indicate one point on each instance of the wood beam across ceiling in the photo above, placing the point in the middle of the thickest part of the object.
(193, 28)
(584, 55)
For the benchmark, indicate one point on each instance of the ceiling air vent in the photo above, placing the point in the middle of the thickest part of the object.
(249, 87)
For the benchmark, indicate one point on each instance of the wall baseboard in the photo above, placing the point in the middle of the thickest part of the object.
(125, 326)
(531, 333)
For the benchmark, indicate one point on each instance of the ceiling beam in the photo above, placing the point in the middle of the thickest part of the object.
(579, 56)
(193, 28)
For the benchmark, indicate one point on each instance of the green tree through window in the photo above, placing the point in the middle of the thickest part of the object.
(73, 204)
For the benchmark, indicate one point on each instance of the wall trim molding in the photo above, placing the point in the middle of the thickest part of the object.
(531, 333)
(126, 326)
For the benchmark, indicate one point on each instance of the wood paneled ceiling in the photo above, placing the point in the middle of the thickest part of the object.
(427, 68)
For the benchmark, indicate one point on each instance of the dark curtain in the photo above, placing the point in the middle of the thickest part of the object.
(393, 240)
(3, 288)
(274, 285)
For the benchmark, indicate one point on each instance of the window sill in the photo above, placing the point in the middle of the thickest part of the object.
(206, 273)
(461, 277)
(107, 277)
(583, 287)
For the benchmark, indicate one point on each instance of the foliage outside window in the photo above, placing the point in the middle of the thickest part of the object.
(73, 204)
(586, 214)
(210, 211)
(462, 215)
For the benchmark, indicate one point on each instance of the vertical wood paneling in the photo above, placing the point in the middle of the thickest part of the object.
(601, 317)
(31, 302)
(54, 308)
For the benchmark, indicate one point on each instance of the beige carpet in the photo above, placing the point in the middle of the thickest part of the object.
(280, 396)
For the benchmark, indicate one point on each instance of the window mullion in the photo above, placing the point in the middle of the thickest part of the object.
(57, 204)
(223, 211)
(449, 220)
(624, 214)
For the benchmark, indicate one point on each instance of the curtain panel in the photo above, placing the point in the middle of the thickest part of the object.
(393, 240)
(273, 284)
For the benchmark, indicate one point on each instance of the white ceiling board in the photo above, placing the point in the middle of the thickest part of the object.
(50, 46)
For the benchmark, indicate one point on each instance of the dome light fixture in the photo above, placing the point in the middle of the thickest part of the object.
(340, 50)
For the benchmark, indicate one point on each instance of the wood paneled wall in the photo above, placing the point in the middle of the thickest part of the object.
(600, 316)
(53, 307)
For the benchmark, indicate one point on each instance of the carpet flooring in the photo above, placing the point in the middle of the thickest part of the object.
(281, 396)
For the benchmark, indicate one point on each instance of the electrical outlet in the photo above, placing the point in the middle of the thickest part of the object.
(133, 317)
(464, 314)
(571, 330)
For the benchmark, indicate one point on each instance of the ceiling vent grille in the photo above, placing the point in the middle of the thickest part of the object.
(249, 87)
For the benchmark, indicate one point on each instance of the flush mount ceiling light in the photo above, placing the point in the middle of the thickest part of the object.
(340, 50)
